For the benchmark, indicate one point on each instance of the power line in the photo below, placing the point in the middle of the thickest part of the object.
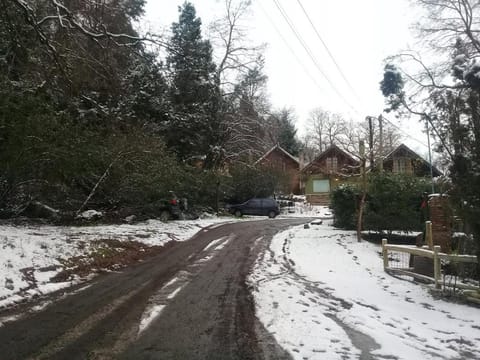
(290, 48)
(404, 132)
(310, 54)
(328, 50)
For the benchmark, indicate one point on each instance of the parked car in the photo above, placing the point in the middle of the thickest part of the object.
(255, 206)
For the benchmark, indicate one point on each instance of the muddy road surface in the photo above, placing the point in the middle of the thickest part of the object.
(190, 302)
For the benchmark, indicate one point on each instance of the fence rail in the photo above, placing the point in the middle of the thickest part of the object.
(434, 254)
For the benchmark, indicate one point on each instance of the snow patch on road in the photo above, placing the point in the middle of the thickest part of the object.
(167, 293)
(174, 293)
(214, 243)
(148, 316)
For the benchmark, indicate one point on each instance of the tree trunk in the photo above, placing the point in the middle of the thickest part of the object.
(360, 216)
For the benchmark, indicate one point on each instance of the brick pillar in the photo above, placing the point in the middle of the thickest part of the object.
(441, 217)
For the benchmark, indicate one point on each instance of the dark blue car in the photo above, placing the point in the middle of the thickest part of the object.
(256, 206)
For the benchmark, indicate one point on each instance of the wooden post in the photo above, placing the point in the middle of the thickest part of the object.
(436, 266)
(380, 145)
(370, 142)
(385, 254)
(364, 191)
(429, 234)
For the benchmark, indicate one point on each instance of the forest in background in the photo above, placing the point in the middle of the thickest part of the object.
(96, 115)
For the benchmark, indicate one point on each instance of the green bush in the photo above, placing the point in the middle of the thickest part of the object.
(393, 202)
(345, 205)
(49, 157)
(249, 181)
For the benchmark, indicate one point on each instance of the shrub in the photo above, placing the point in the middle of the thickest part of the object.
(345, 205)
(393, 202)
(248, 181)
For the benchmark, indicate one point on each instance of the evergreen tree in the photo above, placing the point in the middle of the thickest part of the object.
(76, 89)
(194, 128)
(283, 131)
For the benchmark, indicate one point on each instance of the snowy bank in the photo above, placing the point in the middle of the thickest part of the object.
(32, 255)
(325, 296)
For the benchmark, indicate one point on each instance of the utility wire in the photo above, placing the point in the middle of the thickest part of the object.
(310, 54)
(328, 50)
(404, 132)
(290, 49)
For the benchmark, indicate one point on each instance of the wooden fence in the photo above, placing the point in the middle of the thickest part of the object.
(435, 254)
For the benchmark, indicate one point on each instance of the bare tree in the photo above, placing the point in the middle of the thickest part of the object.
(316, 126)
(229, 35)
(241, 83)
(447, 64)
(244, 122)
(336, 129)
(325, 129)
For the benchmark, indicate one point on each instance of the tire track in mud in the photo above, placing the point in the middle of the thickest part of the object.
(83, 339)
(193, 301)
(222, 325)
(101, 320)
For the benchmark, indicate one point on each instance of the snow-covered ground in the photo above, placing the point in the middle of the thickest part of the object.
(33, 255)
(322, 294)
(325, 296)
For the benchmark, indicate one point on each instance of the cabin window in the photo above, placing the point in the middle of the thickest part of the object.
(332, 164)
(321, 186)
(402, 166)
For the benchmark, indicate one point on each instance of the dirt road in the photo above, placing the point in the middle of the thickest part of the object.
(190, 302)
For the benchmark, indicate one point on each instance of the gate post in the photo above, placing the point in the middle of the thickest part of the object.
(385, 254)
(436, 266)
(429, 234)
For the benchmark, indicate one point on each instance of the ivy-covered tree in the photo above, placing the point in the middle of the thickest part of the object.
(344, 203)
(252, 181)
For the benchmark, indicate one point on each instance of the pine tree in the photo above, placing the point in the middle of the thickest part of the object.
(283, 131)
(194, 128)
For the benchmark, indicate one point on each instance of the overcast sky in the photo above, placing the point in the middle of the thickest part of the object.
(358, 34)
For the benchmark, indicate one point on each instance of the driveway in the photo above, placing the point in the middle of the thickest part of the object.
(192, 301)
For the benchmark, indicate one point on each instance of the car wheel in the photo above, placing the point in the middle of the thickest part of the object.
(238, 213)
(272, 214)
(164, 216)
